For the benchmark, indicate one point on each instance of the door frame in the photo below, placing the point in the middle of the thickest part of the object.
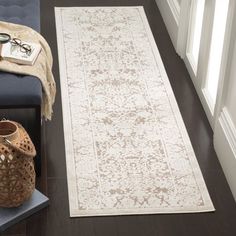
(199, 75)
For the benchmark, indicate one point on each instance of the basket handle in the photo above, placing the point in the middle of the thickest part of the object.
(28, 153)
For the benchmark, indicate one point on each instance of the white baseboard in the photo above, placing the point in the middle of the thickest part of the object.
(225, 146)
(170, 12)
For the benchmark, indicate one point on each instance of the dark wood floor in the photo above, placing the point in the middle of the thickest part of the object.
(55, 221)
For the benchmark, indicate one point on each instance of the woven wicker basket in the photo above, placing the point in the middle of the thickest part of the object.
(17, 174)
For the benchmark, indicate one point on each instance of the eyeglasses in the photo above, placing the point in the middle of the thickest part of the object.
(4, 38)
(24, 47)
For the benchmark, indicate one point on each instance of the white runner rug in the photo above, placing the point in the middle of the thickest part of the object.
(127, 149)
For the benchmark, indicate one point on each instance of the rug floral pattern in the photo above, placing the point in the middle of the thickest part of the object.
(130, 150)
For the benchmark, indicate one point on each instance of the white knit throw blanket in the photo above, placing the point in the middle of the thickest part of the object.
(42, 68)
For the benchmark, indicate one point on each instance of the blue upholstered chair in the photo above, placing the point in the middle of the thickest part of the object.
(20, 96)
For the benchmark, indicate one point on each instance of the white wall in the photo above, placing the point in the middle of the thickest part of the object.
(170, 11)
(231, 91)
(225, 128)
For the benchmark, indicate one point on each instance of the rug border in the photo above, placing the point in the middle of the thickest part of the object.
(67, 129)
(66, 115)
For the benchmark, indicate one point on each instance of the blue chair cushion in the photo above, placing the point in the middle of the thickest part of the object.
(19, 89)
(25, 12)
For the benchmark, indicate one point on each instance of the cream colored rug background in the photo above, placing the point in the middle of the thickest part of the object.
(127, 149)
